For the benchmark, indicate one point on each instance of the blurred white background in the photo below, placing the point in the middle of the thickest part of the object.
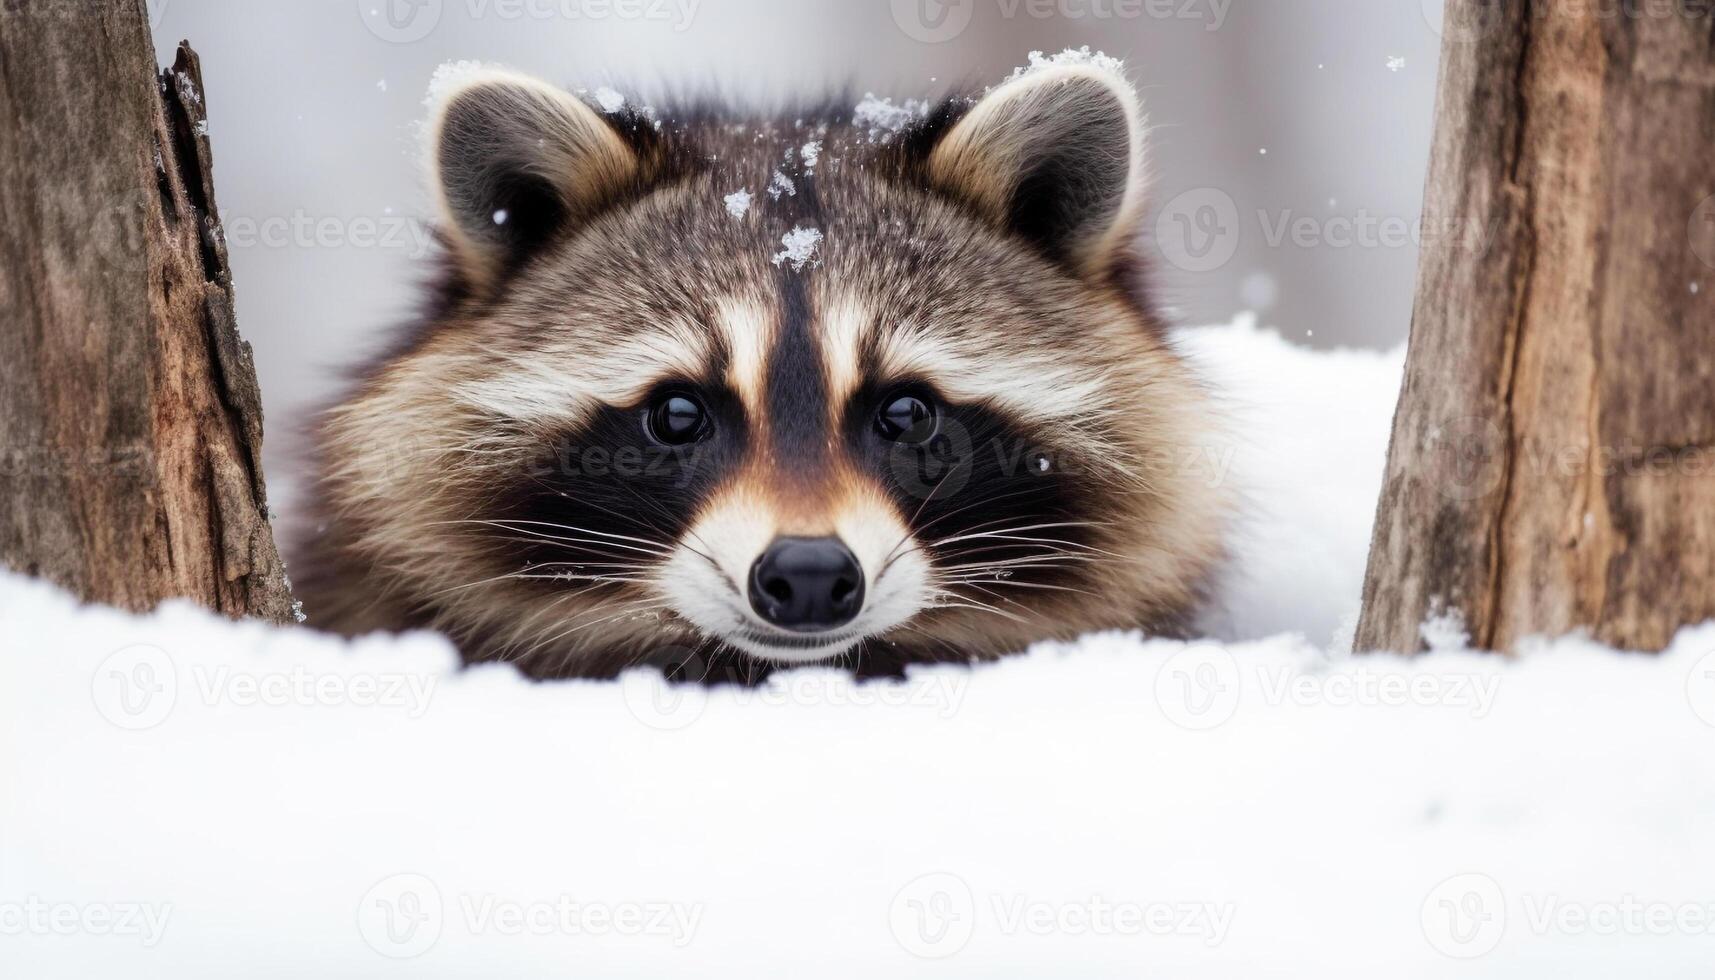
(1290, 136)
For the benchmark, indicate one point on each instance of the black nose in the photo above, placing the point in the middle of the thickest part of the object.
(807, 585)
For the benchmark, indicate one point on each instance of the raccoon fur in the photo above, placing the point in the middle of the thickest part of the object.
(866, 387)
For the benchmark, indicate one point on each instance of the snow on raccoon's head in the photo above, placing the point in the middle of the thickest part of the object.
(876, 384)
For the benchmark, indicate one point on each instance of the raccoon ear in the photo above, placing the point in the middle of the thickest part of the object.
(515, 161)
(1055, 155)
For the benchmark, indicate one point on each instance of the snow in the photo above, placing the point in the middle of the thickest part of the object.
(610, 100)
(738, 203)
(1070, 57)
(799, 248)
(1395, 63)
(884, 120)
(811, 153)
(183, 794)
(449, 77)
(781, 185)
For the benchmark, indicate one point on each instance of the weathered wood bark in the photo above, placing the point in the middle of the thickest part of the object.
(1553, 457)
(130, 419)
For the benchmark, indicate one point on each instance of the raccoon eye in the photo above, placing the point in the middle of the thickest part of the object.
(678, 420)
(906, 418)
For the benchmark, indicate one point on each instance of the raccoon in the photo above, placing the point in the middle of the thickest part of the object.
(870, 386)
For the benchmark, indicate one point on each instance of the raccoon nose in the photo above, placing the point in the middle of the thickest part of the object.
(807, 585)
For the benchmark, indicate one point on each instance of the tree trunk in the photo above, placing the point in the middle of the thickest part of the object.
(1553, 456)
(130, 419)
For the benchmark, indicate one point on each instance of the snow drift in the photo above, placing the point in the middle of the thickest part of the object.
(186, 797)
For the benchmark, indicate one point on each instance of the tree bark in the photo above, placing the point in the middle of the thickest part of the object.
(130, 418)
(1553, 458)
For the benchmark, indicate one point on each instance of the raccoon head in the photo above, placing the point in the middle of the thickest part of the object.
(804, 389)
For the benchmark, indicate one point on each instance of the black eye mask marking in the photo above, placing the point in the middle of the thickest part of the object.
(610, 496)
(984, 497)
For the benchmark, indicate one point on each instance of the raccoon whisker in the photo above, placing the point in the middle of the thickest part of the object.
(614, 540)
(957, 654)
(646, 502)
(616, 566)
(1033, 552)
(570, 577)
(1026, 585)
(1048, 545)
(997, 574)
(968, 602)
(522, 629)
(1016, 531)
(1037, 555)
(888, 561)
(579, 548)
(600, 580)
(621, 612)
(985, 501)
